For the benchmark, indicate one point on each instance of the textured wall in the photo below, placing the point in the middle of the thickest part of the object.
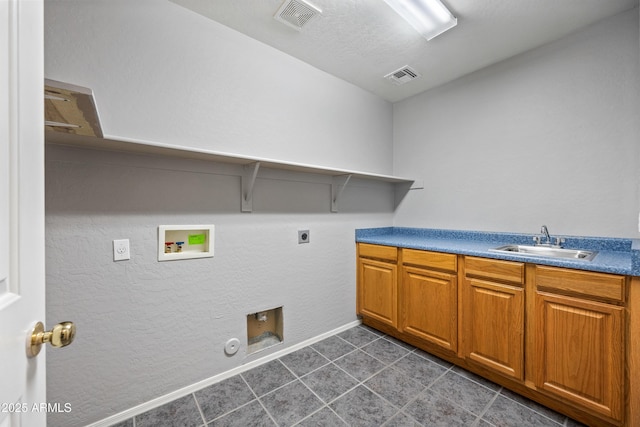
(147, 328)
(163, 73)
(548, 137)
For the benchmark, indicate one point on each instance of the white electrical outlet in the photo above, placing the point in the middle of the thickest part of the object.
(121, 250)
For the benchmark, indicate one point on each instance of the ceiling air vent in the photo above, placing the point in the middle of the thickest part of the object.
(296, 13)
(402, 75)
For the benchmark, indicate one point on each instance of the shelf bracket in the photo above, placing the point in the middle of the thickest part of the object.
(338, 185)
(249, 174)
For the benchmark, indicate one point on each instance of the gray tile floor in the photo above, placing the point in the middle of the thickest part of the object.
(359, 377)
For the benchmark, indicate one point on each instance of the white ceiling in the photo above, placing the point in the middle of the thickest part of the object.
(361, 41)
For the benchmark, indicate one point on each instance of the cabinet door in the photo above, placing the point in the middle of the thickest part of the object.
(429, 303)
(494, 326)
(377, 290)
(579, 352)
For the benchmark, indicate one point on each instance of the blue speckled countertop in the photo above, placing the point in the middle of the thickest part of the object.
(615, 255)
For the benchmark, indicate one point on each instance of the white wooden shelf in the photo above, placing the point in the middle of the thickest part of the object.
(251, 165)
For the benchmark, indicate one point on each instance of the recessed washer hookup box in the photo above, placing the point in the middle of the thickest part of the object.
(176, 242)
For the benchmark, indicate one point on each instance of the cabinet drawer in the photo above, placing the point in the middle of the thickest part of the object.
(367, 250)
(436, 260)
(597, 285)
(507, 271)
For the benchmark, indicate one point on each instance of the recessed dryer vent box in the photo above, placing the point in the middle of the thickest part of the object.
(184, 242)
(264, 329)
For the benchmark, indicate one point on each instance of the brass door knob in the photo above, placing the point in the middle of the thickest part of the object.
(61, 335)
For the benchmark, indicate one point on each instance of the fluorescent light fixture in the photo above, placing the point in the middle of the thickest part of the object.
(430, 17)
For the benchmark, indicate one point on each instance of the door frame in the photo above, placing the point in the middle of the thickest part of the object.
(22, 259)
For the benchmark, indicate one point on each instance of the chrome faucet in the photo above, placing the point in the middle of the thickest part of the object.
(545, 233)
(548, 241)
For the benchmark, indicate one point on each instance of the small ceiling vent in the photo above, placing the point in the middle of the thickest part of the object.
(403, 75)
(296, 13)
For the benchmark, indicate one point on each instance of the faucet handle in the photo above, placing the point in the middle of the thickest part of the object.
(536, 240)
(559, 241)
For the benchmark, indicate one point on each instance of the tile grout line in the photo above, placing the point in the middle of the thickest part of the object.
(564, 422)
(390, 365)
(386, 366)
(233, 410)
(324, 406)
(424, 387)
(358, 382)
(299, 379)
(296, 378)
(204, 420)
(258, 400)
(351, 344)
(428, 387)
(486, 408)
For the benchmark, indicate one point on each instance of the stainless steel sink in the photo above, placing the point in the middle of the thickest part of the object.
(546, 252)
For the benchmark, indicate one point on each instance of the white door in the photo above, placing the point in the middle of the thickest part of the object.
(22, 292)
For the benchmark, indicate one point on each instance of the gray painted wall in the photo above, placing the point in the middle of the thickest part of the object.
(164, 74)
(551, 136)
(147, 328)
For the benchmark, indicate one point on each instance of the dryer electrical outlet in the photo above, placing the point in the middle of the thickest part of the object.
(303, 236)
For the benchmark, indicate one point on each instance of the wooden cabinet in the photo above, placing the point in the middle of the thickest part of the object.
(494, 315)
(429, 297)
(377, 283)
(556, 335)
(579, 341)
